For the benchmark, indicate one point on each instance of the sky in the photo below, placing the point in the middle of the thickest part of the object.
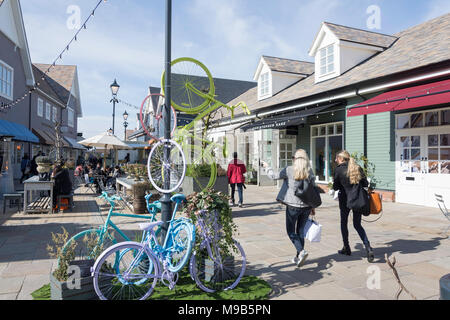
(125, 40)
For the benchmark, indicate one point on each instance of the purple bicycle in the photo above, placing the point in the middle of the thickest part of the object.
(215, 265)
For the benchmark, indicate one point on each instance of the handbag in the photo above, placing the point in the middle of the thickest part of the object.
(309, 193)
(313, 231)
(358, 199)
(376, 204)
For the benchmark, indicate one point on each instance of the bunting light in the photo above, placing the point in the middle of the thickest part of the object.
(4, 106)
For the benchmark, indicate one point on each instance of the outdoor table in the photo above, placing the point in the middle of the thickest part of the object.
(40, 204)
(122, 186)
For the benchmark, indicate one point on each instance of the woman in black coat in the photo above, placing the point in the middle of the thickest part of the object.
(347, 174)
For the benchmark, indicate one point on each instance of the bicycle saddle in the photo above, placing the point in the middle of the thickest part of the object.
(178, 198)
(149, 226)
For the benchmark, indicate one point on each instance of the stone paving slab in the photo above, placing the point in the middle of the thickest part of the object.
(411, 233)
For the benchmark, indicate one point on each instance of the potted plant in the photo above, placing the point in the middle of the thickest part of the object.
(139, 190)
(67, 285)
(198, 176)
(215, 203)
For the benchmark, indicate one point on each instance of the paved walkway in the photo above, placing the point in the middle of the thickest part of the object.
(411, 233)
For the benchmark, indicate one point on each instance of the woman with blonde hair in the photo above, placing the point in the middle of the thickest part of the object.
(348, 174)
(297, 212)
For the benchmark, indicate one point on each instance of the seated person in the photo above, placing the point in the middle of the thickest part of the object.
(63, 185)
(79, 171)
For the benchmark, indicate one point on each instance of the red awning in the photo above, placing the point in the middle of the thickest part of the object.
(409, 98)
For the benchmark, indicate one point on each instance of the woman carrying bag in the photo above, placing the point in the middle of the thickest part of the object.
(349, 179)
(297, 211)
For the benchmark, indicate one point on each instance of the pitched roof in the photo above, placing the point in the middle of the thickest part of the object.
(60, 78)
(419, 46)
(44, 85)
(361, 36)
(226, 89)
(289, 65)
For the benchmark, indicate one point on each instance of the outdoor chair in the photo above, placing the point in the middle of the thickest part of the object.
(443, 208)
(89, 184)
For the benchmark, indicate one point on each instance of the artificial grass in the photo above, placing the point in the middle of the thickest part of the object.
(249, 288)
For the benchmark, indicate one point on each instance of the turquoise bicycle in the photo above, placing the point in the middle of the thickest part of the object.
(131, 270)
(90, 243)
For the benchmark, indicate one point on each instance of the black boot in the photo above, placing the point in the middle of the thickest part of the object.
(345, 251)
(369, 252)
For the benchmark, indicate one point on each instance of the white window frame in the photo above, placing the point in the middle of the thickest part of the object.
(326, 136)
(264, 84)
(70, 117)
(40, 107)
(54, 114)
(48, 111)
(327, 62)
(423, 112)
(10, 69)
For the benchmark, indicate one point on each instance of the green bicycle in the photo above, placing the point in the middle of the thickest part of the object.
(193, 92)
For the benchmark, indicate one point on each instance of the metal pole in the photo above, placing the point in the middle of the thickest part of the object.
(114, 112)
(166, 206)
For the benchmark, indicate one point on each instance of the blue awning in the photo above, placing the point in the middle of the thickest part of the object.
(17, 132)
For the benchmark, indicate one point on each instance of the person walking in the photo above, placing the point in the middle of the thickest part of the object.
(235, 173)
(297, 212)
(25, 167)
(348, 174)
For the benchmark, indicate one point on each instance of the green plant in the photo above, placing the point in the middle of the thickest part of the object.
(368, 168)
(65, 257)
(212, 201)
(43, 159)
(198, 170)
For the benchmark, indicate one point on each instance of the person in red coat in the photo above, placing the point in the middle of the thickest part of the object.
(235, 173)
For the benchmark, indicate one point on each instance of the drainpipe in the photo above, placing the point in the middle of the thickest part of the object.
(29, 123)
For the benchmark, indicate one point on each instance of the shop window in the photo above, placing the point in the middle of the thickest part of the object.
(445, 117)
(431, 119)
(324, 147)
(417, 120)
(403, 122)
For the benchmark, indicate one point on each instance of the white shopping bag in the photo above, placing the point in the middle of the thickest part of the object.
(336, 195)
(313, 231)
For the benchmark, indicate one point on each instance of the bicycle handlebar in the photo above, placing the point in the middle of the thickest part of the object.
(110, 199)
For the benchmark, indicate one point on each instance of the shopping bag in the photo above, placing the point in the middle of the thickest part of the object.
(313, 230)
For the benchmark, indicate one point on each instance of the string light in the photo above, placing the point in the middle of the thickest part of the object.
(59, 57)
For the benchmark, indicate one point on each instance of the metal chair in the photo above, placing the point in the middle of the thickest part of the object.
(443, 208)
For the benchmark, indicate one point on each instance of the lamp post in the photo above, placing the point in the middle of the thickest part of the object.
(166, 205)
(125, 124)
(114, 90)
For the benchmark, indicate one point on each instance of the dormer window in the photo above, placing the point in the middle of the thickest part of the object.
(327, 60)
(264, 84)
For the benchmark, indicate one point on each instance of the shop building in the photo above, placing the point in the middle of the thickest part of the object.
(342, 104)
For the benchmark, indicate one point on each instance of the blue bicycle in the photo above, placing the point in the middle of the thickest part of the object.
(131, 270)
(90, 243)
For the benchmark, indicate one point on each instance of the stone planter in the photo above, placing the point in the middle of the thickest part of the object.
(190, 186)
(74, 289)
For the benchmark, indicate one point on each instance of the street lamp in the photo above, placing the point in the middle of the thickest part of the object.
(114, 90)
(125, 123)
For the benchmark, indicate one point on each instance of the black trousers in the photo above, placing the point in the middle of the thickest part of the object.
(356, 222)
(295, 224)
(240, 187)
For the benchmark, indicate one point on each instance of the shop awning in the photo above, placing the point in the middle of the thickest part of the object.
(51, 134)
(17, 131)
(285, 120)
(74, 144)
(410, 98)
(43, 138)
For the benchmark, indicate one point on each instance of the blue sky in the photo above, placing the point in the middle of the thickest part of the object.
(125, 39)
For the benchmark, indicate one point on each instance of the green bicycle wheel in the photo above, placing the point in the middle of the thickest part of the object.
(192, 84)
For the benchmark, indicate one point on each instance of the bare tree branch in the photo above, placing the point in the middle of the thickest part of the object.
(394, 270)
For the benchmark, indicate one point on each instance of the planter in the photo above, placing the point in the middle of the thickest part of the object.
(70, 290)
(190, 185)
